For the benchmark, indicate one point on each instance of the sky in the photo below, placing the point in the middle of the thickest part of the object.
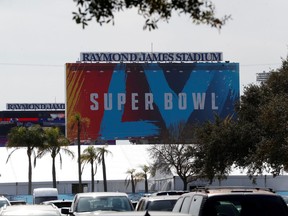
(39, 36)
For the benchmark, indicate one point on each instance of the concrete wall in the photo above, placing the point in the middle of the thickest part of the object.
(279, 183)
(66, 187)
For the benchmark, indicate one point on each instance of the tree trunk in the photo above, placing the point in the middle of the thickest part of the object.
(133, 184)
(104, 173)
(146, 184)
(92, 176)
(29, 171)
(80, 189)
(54, 173)
(185, 184)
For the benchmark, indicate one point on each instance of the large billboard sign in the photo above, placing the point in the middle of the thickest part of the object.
(27, 115)
(138, 100)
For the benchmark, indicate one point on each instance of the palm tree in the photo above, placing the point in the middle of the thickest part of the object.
(145, 170)
(131, 178)
(101, 160)
(76, 120)
(26, 137)
(90, 155)
(55, 142)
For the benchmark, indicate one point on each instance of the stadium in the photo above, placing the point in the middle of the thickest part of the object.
(127, 96)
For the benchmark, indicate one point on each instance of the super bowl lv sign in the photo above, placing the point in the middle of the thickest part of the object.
(125, 100)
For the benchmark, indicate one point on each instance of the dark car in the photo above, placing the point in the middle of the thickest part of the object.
(232, 201)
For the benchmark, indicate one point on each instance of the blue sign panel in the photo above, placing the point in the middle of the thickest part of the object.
(124, 100)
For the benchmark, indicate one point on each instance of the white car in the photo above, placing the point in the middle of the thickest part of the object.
(98, 202)
(28, 210)
(4, 201)
(157, 203)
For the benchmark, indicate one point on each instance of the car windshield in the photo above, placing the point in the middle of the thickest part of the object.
(90, 204)
(44, 198)
(239, 205)
(161, 205)
(3, 202)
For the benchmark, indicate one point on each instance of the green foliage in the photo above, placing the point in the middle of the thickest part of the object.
(26, 137)
(131, 178)
(200, 12)
(80, 123)
(54, 143)
(90, 155)
(257, 141)
(263, 120)
(143, 175)
(102, 152)
(29, 137)
(215, 148)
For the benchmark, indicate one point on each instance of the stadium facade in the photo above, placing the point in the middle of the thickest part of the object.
(27, 114)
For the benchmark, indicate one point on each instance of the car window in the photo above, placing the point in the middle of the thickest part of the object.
(178, 205)
(186, 204)
(161, 205)
(90, 204)
(3, 202)
(141, 205)
(62, 204)
(195, 205)
(245, 205)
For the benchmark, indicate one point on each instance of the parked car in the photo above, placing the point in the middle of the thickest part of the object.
(58, 203)
(28, 210)
(232, 201)
(4, 201)
(44, 194)
(99, 201)
(157, 203)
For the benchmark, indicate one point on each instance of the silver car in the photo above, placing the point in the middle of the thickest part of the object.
(99, 202)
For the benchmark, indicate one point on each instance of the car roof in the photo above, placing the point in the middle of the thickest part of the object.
(144, 213)
(212, 191)
(166, 197)
(170, 192)
(56, 201)
(95, 194)
(25, 210)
